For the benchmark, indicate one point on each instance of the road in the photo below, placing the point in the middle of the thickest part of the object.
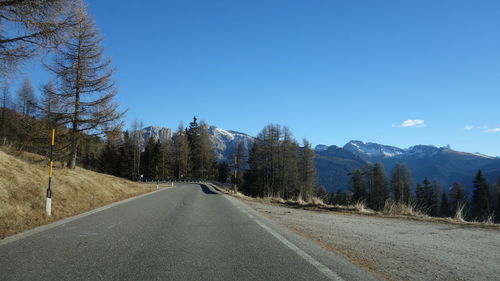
(189, 232)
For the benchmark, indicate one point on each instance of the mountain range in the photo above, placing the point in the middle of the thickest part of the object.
(442, 164)
(334, 163)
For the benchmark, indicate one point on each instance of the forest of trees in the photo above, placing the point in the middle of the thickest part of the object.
(372, 186)
(279, 166)
(188, 154)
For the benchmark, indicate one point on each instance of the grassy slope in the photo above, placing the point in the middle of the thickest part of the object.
(23, 183)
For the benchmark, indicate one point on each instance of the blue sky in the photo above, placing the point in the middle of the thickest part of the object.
(331, 71)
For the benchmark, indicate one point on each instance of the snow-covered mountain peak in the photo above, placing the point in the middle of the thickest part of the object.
(320, 147)
(372, 151)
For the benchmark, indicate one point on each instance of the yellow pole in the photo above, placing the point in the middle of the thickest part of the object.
(48, 203)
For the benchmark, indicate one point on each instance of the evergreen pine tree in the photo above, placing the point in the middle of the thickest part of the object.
(458, 198)
(497, 209)
(445, 206)
(357, 187)
(481, 200)
(224, 171)
(432, 194)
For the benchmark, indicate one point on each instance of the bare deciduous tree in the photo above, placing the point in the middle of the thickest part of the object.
(28, 25)
(85, 87)
(26, 101)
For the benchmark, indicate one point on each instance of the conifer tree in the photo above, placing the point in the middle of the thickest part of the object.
(50, 105)
(238, 160)
(481, 200)
(433, 198)
(458, 197)
(307, 171)
(357, 187)
(126, 157)
(26, 99)
(274, 164)
(5, 105)
(84, 83)
(29, 25)
(427, 197)
(207, 156)
(195, 149)
(368, 182)
(401, 183)
(137, 143)
(420, 196)
(497, 208)
(288, 166)
(445, 206)
(380, 192)
(224, 171)
(180, 153)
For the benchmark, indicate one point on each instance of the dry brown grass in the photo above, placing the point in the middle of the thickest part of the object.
(23, 183)
(391, 210)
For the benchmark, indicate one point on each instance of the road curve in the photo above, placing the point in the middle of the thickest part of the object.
(189, 232)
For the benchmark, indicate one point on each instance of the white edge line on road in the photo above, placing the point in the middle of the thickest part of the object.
(322, 268)
(41, 228)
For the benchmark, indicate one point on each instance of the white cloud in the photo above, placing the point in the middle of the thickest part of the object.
(468, 127)
(412, 123)
(493, 130)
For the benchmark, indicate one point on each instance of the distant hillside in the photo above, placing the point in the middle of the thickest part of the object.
(23, 183)
(438, 163)
(333, 164)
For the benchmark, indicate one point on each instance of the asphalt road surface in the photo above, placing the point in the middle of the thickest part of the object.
(189, 232)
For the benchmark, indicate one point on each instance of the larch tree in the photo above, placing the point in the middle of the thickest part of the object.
(368, 182)
(50, 106)
(27, 26)
(289, 166)
(180, 153)
(86, 90)
(137, 144)
(26, 100)
(401, 182)
(380, 192)
(274, 164)
(5, 105)
(307, 171)
(206, 151)
(238, 161)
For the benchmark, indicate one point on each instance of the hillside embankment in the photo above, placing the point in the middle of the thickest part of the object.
(23, 184)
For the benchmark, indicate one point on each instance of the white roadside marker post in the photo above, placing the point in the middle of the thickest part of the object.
(48, 203)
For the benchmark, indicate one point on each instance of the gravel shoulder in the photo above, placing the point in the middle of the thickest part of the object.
(397, 249)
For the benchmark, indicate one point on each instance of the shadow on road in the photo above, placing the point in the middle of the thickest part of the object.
(207, 190)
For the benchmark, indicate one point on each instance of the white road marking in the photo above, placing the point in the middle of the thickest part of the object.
(322, 268)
